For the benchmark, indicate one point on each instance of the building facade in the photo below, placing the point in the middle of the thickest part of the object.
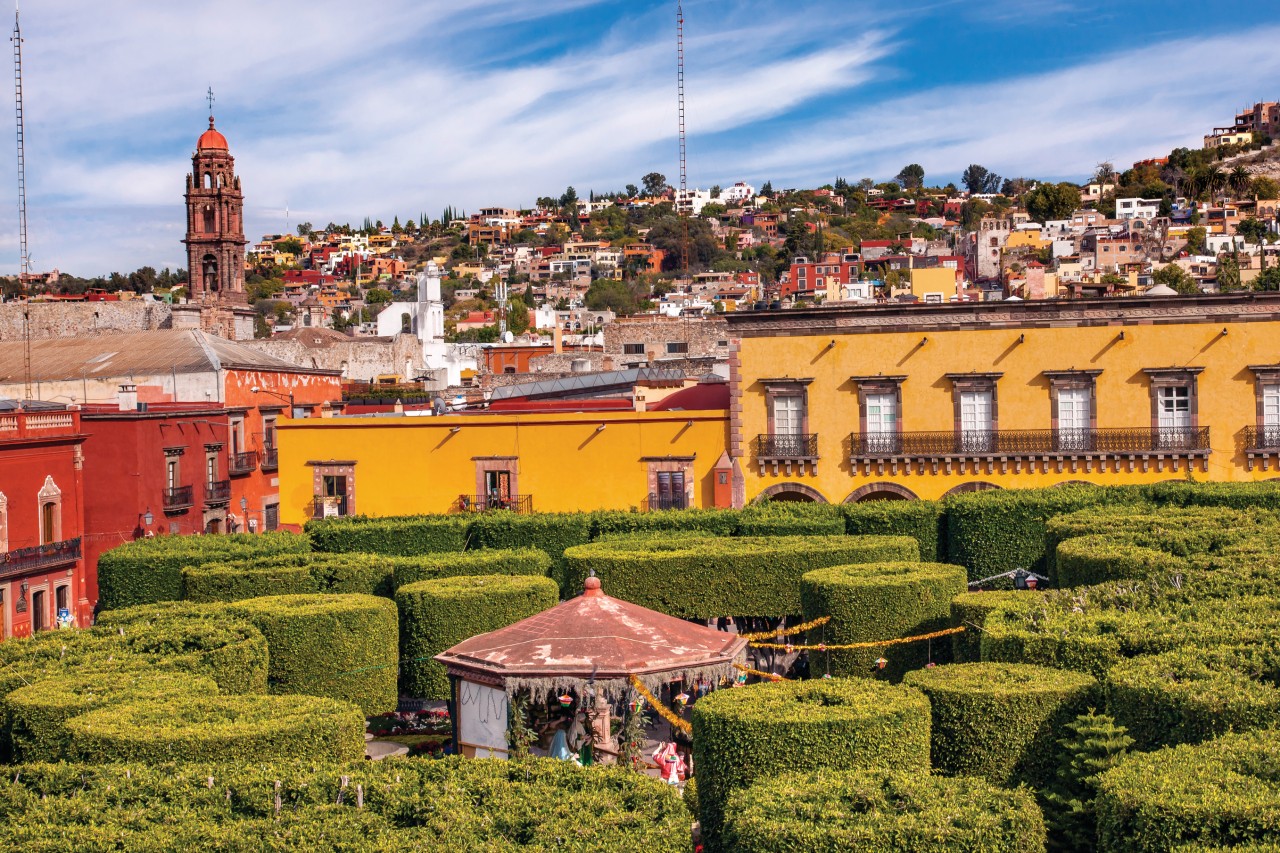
(847, 404)
(215, 238)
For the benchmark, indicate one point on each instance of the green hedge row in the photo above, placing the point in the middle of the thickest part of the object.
(747, 733)
(496, 561)
(438, 614)
(970, 609)
(404, 536)
(1001, 721)
(150, 570)
(1219, 793)
(703, 578)
(881, 812)
(218, 728)
(343, 647)
(450, 804)
(881, 601)
(1098, 558)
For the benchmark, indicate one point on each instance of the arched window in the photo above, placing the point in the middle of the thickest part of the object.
(50, 500)
(210, 222)
(208, 181)
(210, 274)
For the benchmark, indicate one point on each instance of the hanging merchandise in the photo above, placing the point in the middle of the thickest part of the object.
(881, 663)
(676, 721)
(682, 699)
(566, 700)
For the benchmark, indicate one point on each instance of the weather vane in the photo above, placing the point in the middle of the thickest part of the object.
(209, 98)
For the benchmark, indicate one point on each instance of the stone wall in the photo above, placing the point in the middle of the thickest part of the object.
(360, 359)
(50, 320)
(703, 336)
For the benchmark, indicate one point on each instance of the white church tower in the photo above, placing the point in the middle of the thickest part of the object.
(425, 318)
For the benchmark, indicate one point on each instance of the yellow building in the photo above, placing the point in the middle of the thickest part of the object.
(547, 462)
(933, 285)
(1026, 238)
(851, 403)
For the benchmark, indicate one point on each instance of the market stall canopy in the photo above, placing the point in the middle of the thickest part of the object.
(595, 640)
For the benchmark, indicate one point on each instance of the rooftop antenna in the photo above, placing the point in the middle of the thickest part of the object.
(684, 165)
(22, 156)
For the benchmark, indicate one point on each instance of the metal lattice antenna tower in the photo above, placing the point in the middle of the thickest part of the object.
(683, 201)
(22, 156)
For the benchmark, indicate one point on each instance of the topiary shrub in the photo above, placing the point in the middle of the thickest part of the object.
(1089, 560)
(1220, 792)
(551, 532)
(248, 579)
(881, 812)
(787, 518)
(924, 521)
(150, 570)
(881, 601)
(404, 536)
(744, 734)
(438, 614)
(1001, 721)
(706, 577)
(496, 561)
(343, 647)
(1188, 696)
(711, 522)
(37, 713)
(970, 609)
(221, 728)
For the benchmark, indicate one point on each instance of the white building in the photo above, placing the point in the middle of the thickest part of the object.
(692, 200)
(737, 193)
(1137, 208)
(425, 318)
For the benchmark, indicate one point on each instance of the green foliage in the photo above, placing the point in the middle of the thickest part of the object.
(744, 734)
(922, 520)
(881, 601)
(552, 532)
(1088, 560)
(1220, 792)
(791, 519)
(218, 728)
(497, 561)
(881, 812)
(340, 646)
(1000, 721)
(1052, 201)
(398, 535)
(450, 804)
(1094, 745)
(714, 522)
(438, 614)
(1188, 695)
(970, 609)
(707, 577)
(150, 570)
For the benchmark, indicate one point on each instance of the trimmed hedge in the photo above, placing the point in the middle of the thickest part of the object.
(449, 804)
(791, 519)
(248, 579)
(1188, 696)
(403, 536)
(1216, 793)
(438, 614)
(881, 812)
(744, 734)
(881, 601)
(343, 647)
(150, 570)
(1001, 721)
(1088, 560)
(924, 521)
(970, 609)
(707, 577)
(221, 728)
(37, 713)
(498, 561)
(552, 532)
(712, 522)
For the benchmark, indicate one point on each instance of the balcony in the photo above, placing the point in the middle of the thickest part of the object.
(333, 506)
(55, 555)
(1262, 446)
(270, 459)
(1048, 451)
(785, 452)
(217, 492)
(177, 498)
(239, 464)
(673, 500)
(522, 504)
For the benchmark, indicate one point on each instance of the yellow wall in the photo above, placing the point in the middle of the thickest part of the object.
(1226, 393)
(937, 280)
(411, 465)
(1027, 238)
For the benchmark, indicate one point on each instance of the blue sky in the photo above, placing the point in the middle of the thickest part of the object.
(337, 111)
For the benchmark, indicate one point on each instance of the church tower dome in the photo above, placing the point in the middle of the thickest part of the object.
(215, 222)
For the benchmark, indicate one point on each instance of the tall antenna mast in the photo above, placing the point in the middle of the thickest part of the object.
(684, 201)
(22, 156)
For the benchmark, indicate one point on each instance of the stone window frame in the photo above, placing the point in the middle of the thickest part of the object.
(669, 465)
(485, 464)
(334, 468)
(1263, 375)
(4, 524)
(962, 382)
(878, 385)
(1060, 380)
(1174, 377)
(787, 387)
(49, 494)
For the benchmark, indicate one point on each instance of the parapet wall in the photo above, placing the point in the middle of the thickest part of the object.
(49, 320)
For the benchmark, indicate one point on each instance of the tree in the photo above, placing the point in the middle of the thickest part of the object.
(622, 298)
(1104, 173)
(1228, 274)
(1052, 201)
(1094, 746)
(655, 183)
(518, 317)
(1268, 279)
(1195, 240)
(1256, 232)
(715, 191)
(304, 229)
(632, 191)
(767, 189)
(569, 198)
(1239, 180)
(290, 246)
(1265, 188)
(377, 296)
(1176, 277)
(977, 179)
(911, 177)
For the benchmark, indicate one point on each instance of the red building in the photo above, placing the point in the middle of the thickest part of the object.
(42, 570)
(811, 278)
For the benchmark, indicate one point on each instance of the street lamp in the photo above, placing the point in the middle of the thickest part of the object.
(257, 390)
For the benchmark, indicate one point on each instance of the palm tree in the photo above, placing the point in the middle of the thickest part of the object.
(1215, 179)
(1239, 180)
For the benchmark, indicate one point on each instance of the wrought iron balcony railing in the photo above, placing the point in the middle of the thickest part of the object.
(40, 557)
(179, 497)
(239, 464)
(329, 507)
(270, 459)
(217, 492)
(1262, 438)
(675, 500)
(787, 446)
(969, 443)
(522, 504)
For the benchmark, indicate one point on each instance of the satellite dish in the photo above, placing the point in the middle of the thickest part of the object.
(507, 337)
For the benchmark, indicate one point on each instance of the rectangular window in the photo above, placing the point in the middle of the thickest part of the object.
(48, 522)
(882, 423)
(271, 516)
(677, 347)
(211, 468)
(671, 494)
(975, 421)
(787, 415)
(237, 436)
(1175, 407)
(1073, 419)
(268, 433)
(633, 349)
(1271, 406)
(171, 474)
(60, 599)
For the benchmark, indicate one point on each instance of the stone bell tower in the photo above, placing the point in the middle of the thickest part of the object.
(215, 223)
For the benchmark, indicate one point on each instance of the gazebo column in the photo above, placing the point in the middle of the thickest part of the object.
(601, 714)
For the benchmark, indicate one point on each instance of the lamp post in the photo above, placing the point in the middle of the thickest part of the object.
(257, 390)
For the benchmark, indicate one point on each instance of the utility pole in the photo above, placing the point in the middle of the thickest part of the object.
(683, 200)
(22, 156)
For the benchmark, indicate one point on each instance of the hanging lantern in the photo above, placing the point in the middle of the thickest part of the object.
(790, 648)
(881, 663)
(682, 699)
(822, 647)
(566, 700)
